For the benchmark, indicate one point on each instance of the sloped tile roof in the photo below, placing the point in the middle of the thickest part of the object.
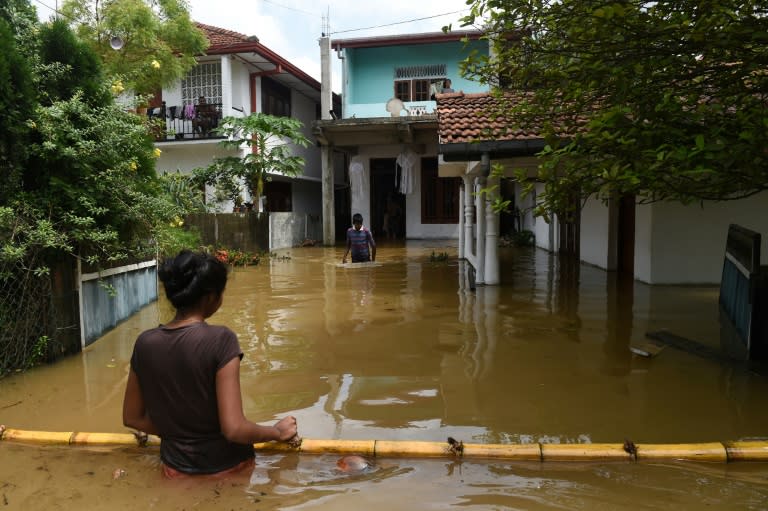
(478, 117)
(221, 38)
(224, 42)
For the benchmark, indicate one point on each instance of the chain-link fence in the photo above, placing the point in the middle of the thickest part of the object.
(27, 319)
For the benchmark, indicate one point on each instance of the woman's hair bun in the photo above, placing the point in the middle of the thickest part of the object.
(190, 276)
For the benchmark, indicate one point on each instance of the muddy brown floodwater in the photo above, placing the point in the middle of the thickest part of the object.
(406, 350)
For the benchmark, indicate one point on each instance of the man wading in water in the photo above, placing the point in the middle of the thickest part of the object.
(358, 240)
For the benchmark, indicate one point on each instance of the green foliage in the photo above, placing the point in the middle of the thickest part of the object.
(95, 171)
(268, 141)
(184, 191)
(17, 98)
(69, 66)
(39, 351)
(661, 100)
(160, 39)
(83, 175)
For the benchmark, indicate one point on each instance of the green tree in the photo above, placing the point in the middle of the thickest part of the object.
(70, 66)
(160, 41)
(660, 100)
(17, 102)
(83, 180)
(269, 142)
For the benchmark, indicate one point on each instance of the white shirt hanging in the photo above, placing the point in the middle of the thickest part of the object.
(357, 178)
(407, 160)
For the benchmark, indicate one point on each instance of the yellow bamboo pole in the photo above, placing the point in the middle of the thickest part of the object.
(747, 451)
(574, 452)
(714, 451)
(711, 452)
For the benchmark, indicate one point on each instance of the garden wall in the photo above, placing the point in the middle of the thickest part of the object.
(256, 232)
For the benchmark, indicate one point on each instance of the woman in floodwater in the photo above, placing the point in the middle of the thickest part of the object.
(184, 381)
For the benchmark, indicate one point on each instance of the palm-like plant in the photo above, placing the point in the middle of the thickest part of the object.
(269, 142)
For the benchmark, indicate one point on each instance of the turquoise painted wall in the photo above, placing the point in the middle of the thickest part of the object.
(370, 72)
(102, 311)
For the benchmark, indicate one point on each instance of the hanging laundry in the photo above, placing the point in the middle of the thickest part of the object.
(189, 111)
(356, 177)
(407, 160)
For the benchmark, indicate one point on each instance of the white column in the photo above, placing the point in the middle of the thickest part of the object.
(491, 266)
(468, 210)
(481, 227)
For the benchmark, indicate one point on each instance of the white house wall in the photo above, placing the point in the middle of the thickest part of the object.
(414, 229)
(643, 243)
(187, 156)
(687, 242)
(307, 196)
(227, 81)
(303, 109)
(238, 103)
(594, 229)
(542, 230)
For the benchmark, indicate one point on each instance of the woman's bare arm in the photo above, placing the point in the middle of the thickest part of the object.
(134, 411)
(234, 426)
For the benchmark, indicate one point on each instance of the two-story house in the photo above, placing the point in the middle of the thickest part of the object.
(237, 76)
(387, 131)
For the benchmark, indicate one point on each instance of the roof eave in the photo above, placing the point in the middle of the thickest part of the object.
(393, 40)
(496, 149)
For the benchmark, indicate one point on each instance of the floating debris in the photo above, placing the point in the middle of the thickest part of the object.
(455, 447)
(353, 464)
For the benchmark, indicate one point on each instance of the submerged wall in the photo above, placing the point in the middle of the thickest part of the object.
(256, 232)
(248, 232)
(288, 230)
(109, 297)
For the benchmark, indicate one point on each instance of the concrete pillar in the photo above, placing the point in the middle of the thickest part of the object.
(326, 151)
(329, 215)
(326, 89)
(491, 236)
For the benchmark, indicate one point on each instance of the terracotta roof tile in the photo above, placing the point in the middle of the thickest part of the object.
(472, 117)
(223, 38)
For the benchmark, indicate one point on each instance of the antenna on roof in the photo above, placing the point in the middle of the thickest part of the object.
(326, 24)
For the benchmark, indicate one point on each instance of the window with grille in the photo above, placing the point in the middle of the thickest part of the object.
(439, 195)
(412, 90)
(202, 80)
(414, 83)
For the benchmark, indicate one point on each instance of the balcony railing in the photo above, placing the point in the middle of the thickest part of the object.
(185, 122)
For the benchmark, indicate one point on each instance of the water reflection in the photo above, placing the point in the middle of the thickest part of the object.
(410, 349)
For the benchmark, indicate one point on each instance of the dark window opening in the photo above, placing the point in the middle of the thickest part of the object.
(275, 98)
(278, 195)
(439, 195)
(403, 90)
(413, 90)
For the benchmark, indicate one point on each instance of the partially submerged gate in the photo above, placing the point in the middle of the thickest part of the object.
(744, 294)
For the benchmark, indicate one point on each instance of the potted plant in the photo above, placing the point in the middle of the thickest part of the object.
(170, 134)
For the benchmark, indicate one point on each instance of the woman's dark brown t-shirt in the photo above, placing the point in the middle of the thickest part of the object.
(176, 368)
